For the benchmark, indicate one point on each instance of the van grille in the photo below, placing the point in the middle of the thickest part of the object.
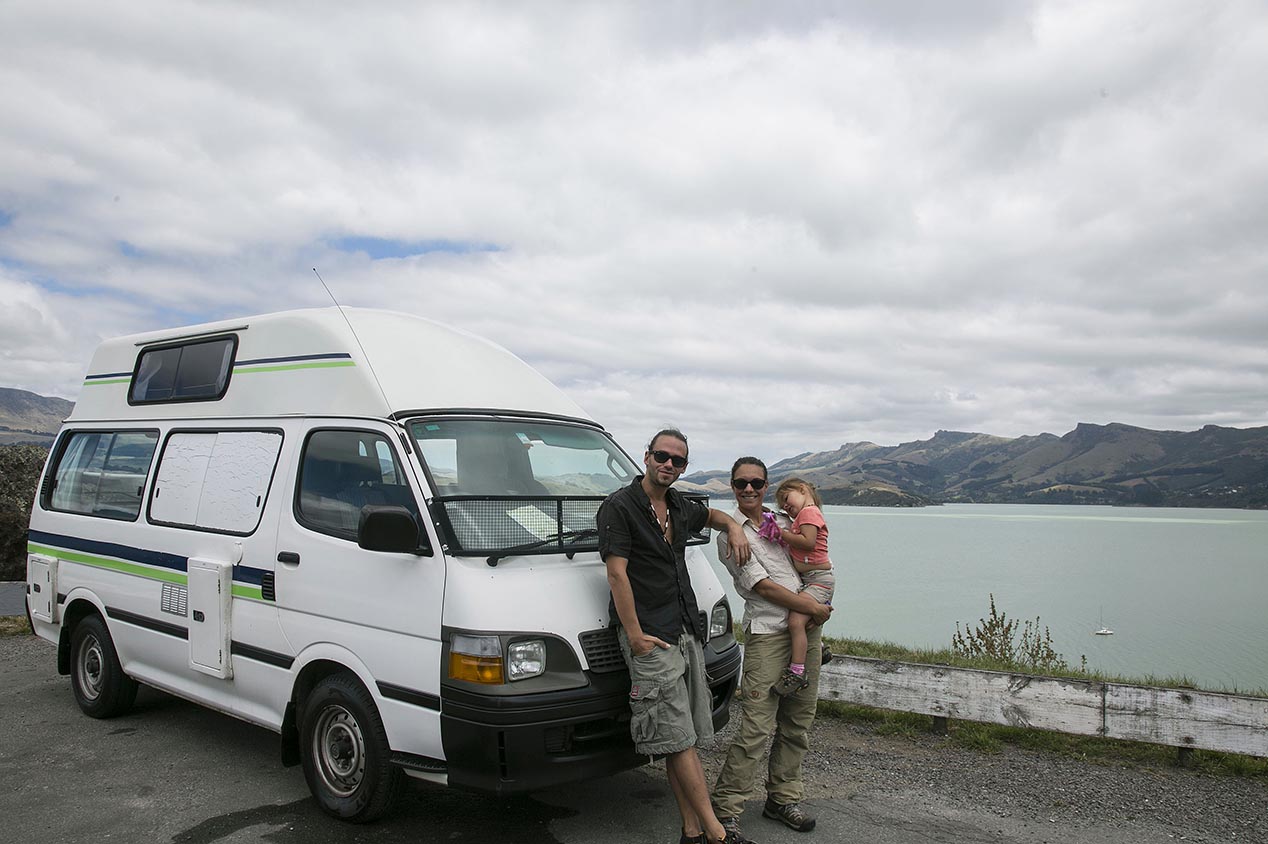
(603, 652)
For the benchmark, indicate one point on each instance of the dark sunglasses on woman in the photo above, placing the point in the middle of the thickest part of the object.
(755, 483)
(679, 461)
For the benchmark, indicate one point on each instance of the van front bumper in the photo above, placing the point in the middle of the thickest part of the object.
(510, 744)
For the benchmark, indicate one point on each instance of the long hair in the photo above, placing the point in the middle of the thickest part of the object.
(668, 432)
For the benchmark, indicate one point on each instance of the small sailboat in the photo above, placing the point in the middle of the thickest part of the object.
(1103, 630)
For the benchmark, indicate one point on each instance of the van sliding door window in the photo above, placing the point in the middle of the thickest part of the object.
(194, 371)
(102, 473)
(342, 472)
(215, 480)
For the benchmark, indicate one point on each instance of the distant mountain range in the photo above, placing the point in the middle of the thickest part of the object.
(30, 419)
(1093, 464)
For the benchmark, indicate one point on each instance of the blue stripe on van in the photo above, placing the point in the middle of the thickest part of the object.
(292, 358)
(108, 375)
(158, 559)
(109, 549)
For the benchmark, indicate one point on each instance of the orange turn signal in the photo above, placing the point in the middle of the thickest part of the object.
(476, 669)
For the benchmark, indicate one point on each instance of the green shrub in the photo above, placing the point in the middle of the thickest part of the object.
(20, 467)
(996, 640)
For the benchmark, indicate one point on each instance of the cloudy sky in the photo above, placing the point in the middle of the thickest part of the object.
(782, 227)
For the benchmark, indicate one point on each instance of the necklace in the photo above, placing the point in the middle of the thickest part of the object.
(664, 526)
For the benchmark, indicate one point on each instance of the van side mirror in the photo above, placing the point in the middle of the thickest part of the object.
(388, 528)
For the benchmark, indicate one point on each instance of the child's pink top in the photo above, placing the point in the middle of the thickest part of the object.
(812, 515)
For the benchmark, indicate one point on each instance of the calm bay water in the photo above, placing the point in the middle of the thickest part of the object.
(1185, 591)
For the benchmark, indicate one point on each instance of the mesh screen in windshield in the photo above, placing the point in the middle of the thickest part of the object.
(485, 525)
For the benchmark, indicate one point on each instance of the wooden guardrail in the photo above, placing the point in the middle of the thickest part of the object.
(1182, 718)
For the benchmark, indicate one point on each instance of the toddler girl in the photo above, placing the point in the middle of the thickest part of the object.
(807, 539)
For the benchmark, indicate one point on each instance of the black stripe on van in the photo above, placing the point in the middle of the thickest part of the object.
(423, 699)
(148, 623)
(261, 655)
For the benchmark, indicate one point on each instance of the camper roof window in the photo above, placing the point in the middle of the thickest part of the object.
(196, 371)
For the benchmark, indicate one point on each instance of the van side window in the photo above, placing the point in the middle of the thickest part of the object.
(214, 480)
(193, 371)
(343, 471)
(102, 473)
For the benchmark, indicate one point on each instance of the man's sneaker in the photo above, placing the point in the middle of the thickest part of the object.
(789, 682)
(792, 815)
(825, 655)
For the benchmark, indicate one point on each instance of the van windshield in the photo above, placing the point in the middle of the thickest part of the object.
(508, 486)
(509, 457)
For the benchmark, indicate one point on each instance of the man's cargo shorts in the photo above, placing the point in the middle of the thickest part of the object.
(671, 708)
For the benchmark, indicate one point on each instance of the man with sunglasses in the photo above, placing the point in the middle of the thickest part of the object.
(643, 532)
(769, 585)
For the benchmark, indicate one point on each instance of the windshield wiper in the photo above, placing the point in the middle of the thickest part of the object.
(574, 535)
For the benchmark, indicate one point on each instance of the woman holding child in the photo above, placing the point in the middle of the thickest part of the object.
(771, 588)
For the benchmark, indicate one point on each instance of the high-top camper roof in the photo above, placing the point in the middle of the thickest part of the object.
(309, 362)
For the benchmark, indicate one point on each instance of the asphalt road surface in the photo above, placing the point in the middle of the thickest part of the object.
(174, 771)
(12, 598)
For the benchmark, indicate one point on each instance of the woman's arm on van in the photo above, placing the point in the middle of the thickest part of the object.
(623, 597)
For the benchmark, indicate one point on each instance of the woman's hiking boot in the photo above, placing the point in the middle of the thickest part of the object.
(789, 682)
(790, 814)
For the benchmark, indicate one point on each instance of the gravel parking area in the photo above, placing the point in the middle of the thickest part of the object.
(175, 771)
(849, 760)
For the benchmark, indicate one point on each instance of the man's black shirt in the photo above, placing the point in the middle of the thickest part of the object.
(663, 597)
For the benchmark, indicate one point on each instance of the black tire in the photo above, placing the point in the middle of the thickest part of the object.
(101, 688)
(344, 751)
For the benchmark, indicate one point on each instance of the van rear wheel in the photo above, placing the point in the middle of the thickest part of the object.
(345, 753)
(101, 688)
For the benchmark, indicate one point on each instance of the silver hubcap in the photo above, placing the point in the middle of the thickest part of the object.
(91, 674)
(339, 749)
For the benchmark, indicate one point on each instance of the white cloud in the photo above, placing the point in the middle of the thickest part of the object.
(781, 227)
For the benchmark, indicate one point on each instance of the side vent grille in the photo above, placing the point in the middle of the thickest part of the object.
(603, 652)
(267, 590)
(175, 600)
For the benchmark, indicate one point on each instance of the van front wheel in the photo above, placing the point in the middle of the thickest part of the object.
(345, 752)
(101, 688)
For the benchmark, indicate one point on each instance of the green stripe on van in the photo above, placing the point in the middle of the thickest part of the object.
(240, 590)
(95, 383)
(292, 366)
(108, 563)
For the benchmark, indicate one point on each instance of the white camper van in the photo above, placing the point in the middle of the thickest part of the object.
(365, 531)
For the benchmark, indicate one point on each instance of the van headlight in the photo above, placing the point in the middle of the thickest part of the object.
(476, 659)
(526, 659)
(720, 619)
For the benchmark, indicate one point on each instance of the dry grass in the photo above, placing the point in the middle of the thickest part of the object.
(14, 625)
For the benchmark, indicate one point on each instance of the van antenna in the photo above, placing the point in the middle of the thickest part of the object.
(386, 404)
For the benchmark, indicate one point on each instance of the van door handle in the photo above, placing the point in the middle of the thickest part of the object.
(288, 557)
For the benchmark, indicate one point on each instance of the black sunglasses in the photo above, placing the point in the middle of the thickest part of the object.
(755, 483)
(662, 456)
